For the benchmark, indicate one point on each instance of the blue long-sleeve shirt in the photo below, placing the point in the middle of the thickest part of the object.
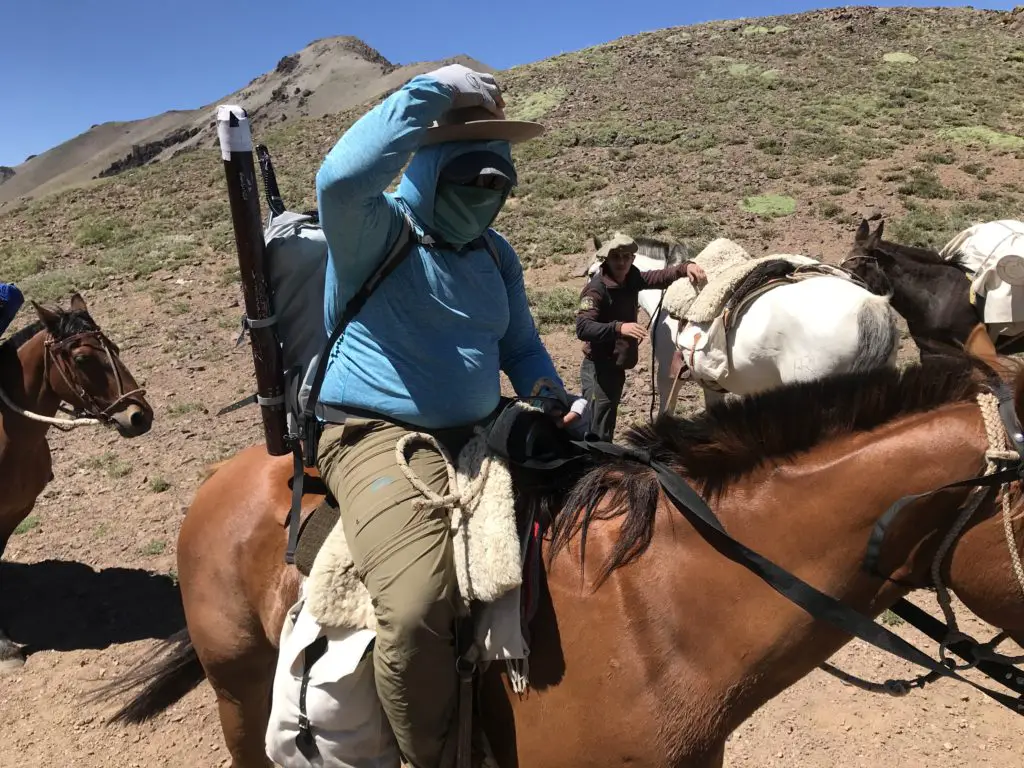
(428, 346)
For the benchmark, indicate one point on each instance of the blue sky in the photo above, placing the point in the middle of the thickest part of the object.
(68, 64)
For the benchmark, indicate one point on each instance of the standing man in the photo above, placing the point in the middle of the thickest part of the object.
(607, 325)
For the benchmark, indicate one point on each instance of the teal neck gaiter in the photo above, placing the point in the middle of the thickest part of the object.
(462, 214)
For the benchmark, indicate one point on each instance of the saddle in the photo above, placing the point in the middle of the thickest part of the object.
(770, 274)
(325, 708)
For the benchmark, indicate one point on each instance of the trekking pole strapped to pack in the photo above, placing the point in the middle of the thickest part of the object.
(236, 150)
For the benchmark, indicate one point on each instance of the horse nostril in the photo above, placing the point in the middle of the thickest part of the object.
(138, 418)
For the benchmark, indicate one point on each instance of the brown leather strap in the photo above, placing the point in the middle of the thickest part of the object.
(979, 344)
(465, 665)
(465, 753)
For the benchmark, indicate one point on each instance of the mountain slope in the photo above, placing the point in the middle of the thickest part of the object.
(780, 132)
(327, 76)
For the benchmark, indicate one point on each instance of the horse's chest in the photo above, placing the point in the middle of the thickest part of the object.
(24, 472)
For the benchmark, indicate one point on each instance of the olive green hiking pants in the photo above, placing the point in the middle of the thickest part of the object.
(404, 558)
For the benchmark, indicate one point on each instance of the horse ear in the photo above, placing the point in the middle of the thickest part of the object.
(48, 317)
(863, 231)
(78, 303)
(876, 237)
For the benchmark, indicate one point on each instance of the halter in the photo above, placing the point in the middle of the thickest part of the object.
(58, 354)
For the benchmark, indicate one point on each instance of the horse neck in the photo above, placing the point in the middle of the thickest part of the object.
(811, 516)
(27, 386)
(927, 296)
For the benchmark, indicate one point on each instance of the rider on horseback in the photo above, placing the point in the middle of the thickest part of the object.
(10, 302)
(424, 354)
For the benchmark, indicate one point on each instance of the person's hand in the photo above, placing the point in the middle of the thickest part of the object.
(696, 273)
(577, 421)
(569, 412)
(633, 331)
(472, 89)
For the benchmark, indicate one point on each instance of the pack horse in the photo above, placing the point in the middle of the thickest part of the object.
(761, 323)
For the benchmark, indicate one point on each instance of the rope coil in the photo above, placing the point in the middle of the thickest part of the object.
(432, 500)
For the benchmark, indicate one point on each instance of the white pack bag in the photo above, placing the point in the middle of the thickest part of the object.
(346, 725)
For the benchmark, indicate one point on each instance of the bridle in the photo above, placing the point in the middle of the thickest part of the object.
(58, 355)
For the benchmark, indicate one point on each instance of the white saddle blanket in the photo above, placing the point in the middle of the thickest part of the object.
(487, 554)
(718, 256)
(993, 252)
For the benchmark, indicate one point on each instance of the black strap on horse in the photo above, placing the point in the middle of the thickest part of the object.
(1013, 430)
(1001, 672)
(819, 605)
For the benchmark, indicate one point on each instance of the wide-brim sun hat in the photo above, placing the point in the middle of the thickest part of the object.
(619, 242)
(480, 124)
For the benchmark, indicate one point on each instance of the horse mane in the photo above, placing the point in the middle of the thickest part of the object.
(927, 256)
(722, 445)
(670, 253)
(68, 324)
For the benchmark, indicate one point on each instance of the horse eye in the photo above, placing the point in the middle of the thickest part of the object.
(81, 359)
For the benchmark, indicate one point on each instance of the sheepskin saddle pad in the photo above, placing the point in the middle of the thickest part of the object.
(735, 279)
(489, 552)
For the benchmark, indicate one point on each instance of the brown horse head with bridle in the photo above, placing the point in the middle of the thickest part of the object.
(82, 367)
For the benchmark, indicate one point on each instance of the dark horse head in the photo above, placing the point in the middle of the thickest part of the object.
(932, 293)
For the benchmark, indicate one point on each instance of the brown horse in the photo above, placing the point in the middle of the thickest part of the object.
(64, 357)
(649, 647)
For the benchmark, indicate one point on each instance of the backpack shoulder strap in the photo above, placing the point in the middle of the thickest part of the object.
(399, 250)
(491, 248)
(305, 448)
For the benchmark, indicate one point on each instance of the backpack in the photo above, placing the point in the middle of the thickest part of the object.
(296, 264)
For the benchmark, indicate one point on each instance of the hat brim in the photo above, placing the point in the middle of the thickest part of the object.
(512, 131)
